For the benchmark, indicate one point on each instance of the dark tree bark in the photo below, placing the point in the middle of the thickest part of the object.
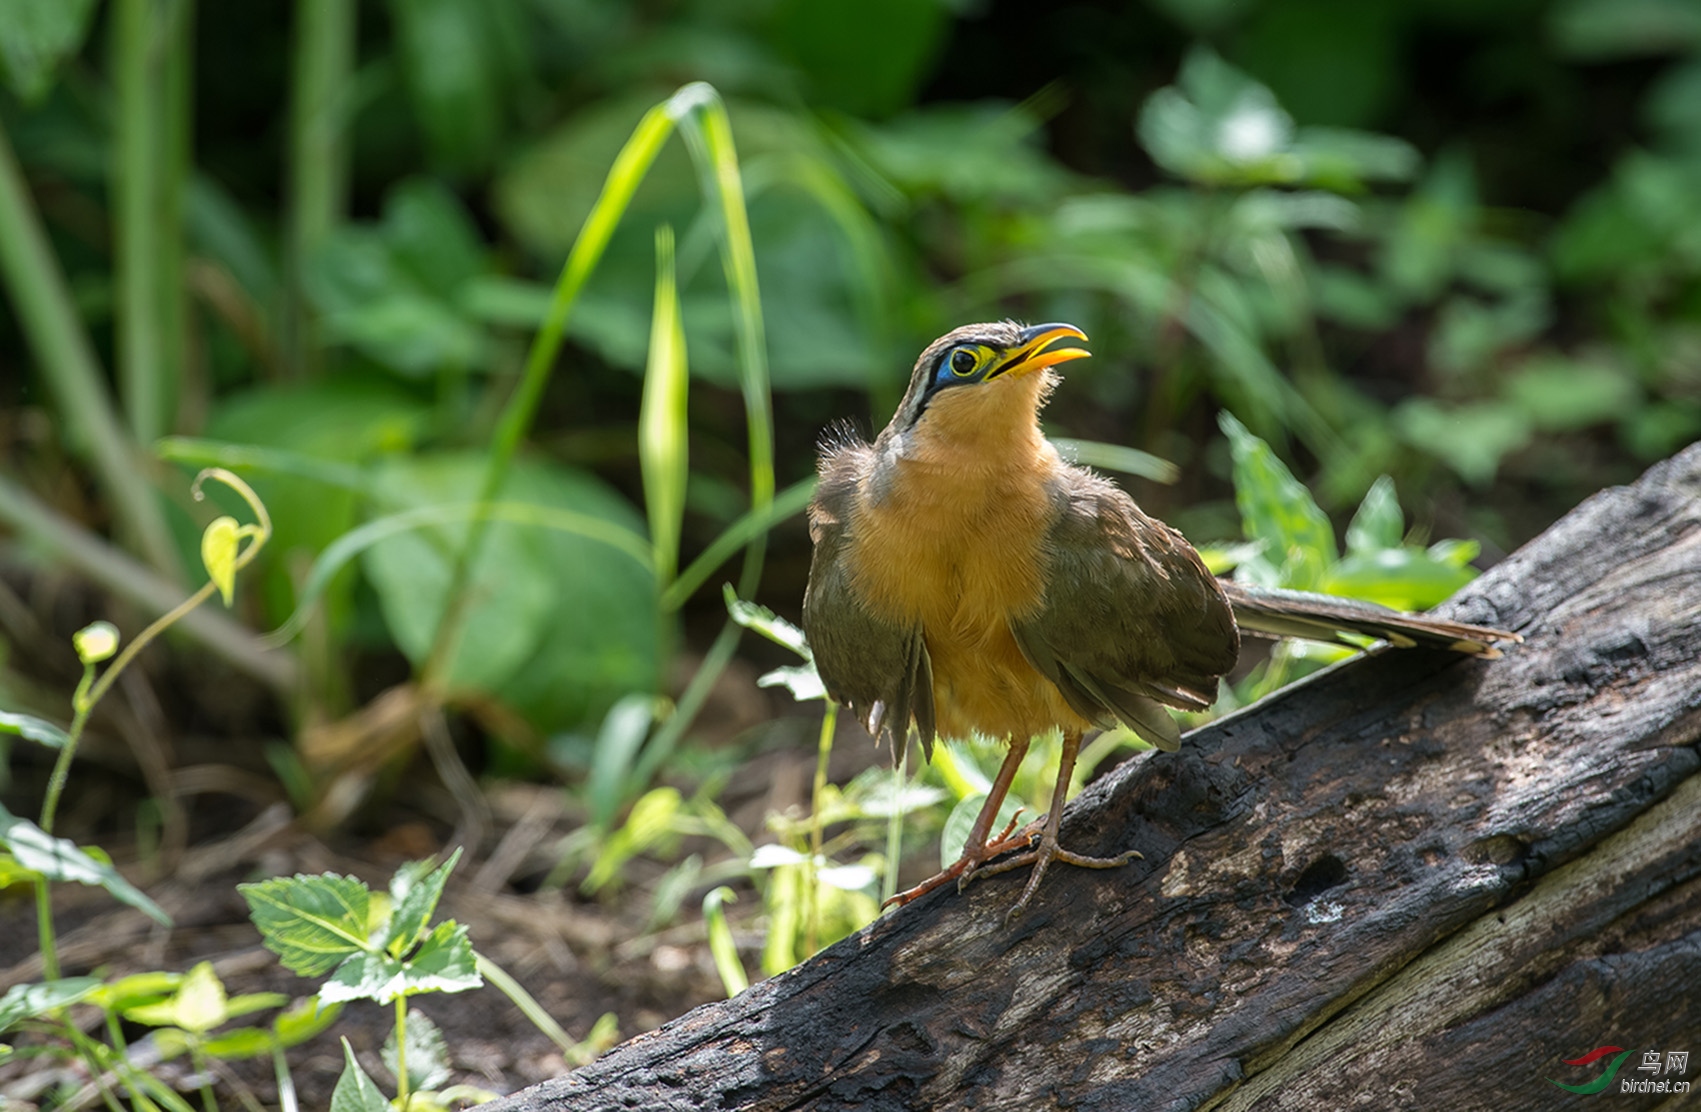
(1413, 881)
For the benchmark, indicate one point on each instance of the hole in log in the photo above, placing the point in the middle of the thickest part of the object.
(1498, 849)
(1318, 877)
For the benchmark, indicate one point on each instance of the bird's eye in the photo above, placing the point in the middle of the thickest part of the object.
(963, 362)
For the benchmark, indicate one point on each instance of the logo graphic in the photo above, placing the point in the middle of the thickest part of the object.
(1604, 1079)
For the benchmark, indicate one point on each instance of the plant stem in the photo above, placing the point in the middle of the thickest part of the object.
(137, 235)
(75, 547)
(320, 95)
(402, 1052)
(66, 361)
(895, 822)
(81, 705)
(44, 933)
(811, 877)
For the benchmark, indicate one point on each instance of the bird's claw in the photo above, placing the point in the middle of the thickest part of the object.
(969, 864)
(1041, 857)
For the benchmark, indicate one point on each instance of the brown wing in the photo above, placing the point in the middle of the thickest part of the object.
(1131, 616)
(877, 668)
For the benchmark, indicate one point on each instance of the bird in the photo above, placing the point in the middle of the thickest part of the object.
(967, 580)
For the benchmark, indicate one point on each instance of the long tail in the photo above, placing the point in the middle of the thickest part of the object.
(1270, 612)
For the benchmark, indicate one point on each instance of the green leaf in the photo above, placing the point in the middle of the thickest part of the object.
(663, 434)
(198, 1005)
(619, 739)
(428, 1052)
(303, 1020)
(1277, 509)
(1378, 523)
(802, 680)
(33, 729)
(444, 962)
(23, 1002)
(650, 820)
(311, 922)
(242, 1042)
(355, 1092)
(721, 945)
(35, 37)
(564, 622)
(59, 859)
(136, 989)
(414, 890)
(1117, 457)
(1562, 395)
(754, 616)
(1472, 439)
(954, 836)
(218, 555)
(1403, 578)
(1218, 126)
(1455, 553)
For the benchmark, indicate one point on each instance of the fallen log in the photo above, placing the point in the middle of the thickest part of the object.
(1411, 881)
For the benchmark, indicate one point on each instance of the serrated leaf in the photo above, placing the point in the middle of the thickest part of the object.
(311, 922)
(1276, 508)
(23, 1002)
(355, 1092)
(444, 963)
(31, 728)
(428, 1053)
(59, 859)
(304, 1019)
(415, 888)
(1378, 522)
(218, 555)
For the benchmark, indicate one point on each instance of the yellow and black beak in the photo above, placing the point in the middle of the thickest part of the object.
(1033, 353)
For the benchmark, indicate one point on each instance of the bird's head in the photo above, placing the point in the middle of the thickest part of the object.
(971, 372)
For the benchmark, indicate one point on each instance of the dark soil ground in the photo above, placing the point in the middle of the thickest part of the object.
(580, 957)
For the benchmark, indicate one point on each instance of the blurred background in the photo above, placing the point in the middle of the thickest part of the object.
(1456, 243)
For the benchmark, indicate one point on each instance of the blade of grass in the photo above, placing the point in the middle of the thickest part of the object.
(320, 107)
(137, 234)
(629, 168)
(68, 366)
(708, 134)
(786, 503)
(200, 452)
(352, 543)
(663, 445)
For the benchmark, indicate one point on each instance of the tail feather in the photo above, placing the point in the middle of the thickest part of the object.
(1271, 612)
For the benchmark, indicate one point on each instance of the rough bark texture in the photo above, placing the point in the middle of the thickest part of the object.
(1414, 881)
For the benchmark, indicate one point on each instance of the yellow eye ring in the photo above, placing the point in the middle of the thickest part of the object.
(963, 362)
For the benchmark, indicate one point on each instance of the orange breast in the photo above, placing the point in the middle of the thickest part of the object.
(954, 542)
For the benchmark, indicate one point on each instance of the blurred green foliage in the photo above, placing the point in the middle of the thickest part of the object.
(1481, 280)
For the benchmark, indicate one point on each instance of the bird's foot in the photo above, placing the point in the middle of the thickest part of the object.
(1041, 857)
(967, 866)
